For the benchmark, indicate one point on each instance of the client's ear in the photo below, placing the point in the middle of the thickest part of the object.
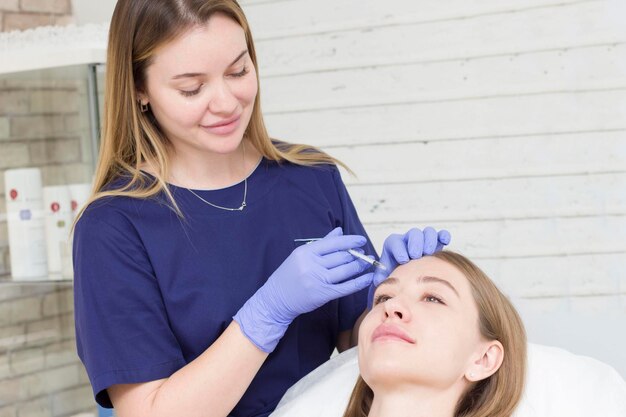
(487, 362)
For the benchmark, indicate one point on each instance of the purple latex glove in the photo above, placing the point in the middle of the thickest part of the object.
(400, 249)
(311, 276)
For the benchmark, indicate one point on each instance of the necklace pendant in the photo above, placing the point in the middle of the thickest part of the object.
(243, 206)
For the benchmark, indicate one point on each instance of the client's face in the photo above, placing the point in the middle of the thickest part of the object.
(423, 328)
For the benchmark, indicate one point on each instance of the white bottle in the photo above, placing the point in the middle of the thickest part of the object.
(27, 239)
(58, 218)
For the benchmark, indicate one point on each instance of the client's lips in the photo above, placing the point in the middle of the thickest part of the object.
(391, 332)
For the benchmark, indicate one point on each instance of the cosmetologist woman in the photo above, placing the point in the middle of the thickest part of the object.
(193, 295)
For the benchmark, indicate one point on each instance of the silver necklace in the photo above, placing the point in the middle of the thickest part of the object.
(245, 190)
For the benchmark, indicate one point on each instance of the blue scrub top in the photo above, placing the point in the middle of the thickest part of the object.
(153, 291)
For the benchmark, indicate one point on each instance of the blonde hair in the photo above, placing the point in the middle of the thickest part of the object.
(498, 395)
(131, 137)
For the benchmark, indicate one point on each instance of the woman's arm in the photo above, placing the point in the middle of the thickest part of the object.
(214, 382)
(211, 385)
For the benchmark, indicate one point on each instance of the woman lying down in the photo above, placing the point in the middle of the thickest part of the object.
(440, 341)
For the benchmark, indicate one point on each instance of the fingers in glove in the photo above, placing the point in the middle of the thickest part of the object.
(395, 251)
(444, 239)
(379, 276)
(353, 285)
(330, 244)
(346, 271)
(415, 243)
(333, 260)
(430, 240)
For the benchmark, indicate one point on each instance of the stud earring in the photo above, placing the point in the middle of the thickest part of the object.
(471, 375)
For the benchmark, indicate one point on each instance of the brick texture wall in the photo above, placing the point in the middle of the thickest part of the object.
(26, 14)
(43, 123)
(40, 375)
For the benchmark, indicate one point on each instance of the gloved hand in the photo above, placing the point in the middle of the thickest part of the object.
(311, 276)
(400, 249)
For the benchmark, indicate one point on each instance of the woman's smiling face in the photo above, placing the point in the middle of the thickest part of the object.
(202, 86)
(423, 328)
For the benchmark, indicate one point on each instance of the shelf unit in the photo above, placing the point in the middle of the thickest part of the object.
(51, 84)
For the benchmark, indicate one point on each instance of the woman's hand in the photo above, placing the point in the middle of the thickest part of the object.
(311, 276)
(399, 249)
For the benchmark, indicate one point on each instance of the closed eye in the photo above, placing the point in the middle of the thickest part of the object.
(186, 93)
(241, 73)
(191, 93)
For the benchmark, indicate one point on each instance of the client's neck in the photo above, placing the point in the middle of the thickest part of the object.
(416, 402)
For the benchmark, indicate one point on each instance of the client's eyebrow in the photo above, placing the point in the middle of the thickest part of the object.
(389, 281)
(198, 74)
(439, 280)
(423, 279)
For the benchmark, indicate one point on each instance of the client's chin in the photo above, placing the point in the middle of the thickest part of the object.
(389, 370)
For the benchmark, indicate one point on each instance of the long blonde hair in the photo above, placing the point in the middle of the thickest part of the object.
(131, 137)
(498, 395)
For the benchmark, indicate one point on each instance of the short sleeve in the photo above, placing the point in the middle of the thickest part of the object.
(352, 306)
(122, 330)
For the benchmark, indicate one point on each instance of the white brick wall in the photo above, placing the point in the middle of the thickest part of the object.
(13, 155)
(35, 127)
(39, 371)
(503, 121)
(14, 102)
(26, 14)
(4, 128)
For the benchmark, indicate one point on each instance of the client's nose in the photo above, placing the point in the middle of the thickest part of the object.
(395, 308)
(395, 313)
